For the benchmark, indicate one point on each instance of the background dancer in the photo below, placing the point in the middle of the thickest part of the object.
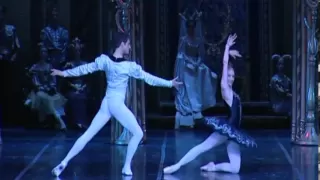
(118, 70)
(227, 130)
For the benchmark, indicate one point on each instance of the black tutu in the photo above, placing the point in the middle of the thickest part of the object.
(223, 127)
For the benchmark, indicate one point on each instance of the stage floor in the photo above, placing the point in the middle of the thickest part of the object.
(30, 154)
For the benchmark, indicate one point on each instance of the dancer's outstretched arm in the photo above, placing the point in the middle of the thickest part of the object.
(137, 72)
(225, 87)
(100, 64)
(224, 79)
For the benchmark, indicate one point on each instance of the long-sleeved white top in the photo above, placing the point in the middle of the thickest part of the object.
(117, 75)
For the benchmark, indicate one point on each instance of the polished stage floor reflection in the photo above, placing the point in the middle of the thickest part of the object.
(30, 154)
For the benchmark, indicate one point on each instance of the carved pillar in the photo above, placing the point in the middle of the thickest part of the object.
(304, 121)
(265, 30)
(129, 18)
(310, 135)
(298, 103)
(163, 66)
(138, 55)
(318, 74)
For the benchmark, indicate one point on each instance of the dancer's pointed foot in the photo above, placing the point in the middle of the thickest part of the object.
(209, 167)
(126, 171)
(58, 169)
(171, 169)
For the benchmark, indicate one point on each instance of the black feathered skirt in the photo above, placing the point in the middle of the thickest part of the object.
(223, 127)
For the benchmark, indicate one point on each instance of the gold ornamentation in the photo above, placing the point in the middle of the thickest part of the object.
(122, 17)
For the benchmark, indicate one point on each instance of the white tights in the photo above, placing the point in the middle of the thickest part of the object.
(118, 110)
(215, 139)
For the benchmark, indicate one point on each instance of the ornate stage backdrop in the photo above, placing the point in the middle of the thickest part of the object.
(261, 33)
(220, 18)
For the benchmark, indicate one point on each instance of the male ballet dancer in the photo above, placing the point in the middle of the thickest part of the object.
(117, 70)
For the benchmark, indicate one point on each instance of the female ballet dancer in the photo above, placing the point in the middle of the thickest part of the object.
(117, 70)
(226, 130)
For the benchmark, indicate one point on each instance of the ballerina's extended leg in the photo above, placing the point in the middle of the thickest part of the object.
(101, 118)
(128, 121)
(235, 160)
(213, 140)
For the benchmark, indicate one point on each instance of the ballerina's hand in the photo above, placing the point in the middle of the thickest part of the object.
(234, 54)
(231, 40)
(176, 83)
(56, 72)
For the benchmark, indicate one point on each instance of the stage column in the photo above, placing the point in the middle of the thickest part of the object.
(162, 48)
(304, 121)
(129, 18)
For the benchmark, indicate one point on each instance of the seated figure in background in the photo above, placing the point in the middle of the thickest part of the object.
(280, 87)
(45, 98)
(9, 41)
(77, 89)
(55, 38)
(199, 83)
(9, 68)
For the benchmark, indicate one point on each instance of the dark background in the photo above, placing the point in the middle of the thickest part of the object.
(265, 27)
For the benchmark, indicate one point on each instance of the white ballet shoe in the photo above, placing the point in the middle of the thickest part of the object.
(171, 169)
(58, 169)
(126, 171)
(209, 167)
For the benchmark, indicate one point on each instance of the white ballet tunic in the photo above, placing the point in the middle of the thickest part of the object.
(117, 75)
